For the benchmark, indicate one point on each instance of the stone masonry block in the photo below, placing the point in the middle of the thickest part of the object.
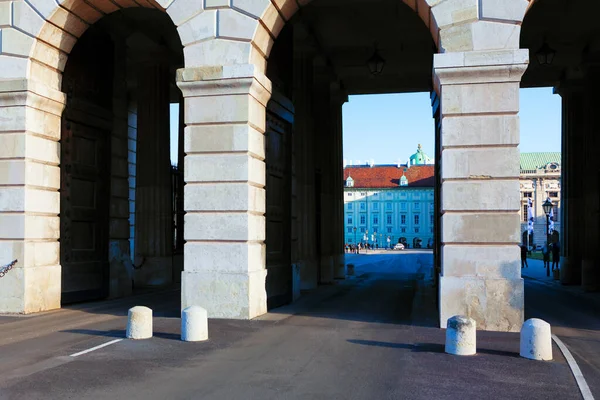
(224, 197)
(455, 12)
(480, 131)
(181, 11)
(480, 99)
(505, 10)
(502, 228)
(236, 296)
(224, 138)
(224, 257)
(480, 163)
(42, 288)
(491, 262)
(254, 8)
(272, 20)
(16, 42)
(224, 167)
(236, 109)
(234, 25)
(488, 195)
(495, 304)
(200, 27)
(217, 52)
(224, 226)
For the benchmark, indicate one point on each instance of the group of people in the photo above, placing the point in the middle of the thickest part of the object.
(547, 250)
(355, 249)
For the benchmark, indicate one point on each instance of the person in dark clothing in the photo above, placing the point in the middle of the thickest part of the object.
(546, 254)
(555, 255)
(524, 256)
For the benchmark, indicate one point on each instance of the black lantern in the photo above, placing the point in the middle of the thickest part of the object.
(547, 206)
(376, 63)
(545, 55)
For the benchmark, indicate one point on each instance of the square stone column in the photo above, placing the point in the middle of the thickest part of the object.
(480, 225)
(30, 115)
(224, 253)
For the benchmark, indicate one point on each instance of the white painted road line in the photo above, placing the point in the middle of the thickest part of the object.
(583, 386)
(95, 348)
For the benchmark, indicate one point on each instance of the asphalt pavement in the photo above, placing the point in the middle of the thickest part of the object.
(372, 336)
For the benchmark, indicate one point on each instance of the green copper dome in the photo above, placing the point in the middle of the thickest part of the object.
(420, 158)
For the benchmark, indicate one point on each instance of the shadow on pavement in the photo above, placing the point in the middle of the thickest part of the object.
(426, 347)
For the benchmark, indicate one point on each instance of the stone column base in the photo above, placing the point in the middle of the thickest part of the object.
(590, 276)
(339, 266)
(495, 304)
(308, 274)
(225, 295)
(154, 271)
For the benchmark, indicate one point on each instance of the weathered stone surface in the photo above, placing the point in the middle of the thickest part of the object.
(139, 323)
(461, 336)
(194, 324)
(536, 340)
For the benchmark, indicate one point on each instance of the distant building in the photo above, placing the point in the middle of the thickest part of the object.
(540, 179)
(390, 201)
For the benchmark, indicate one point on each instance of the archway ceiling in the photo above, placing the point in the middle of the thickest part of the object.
(568, 26)
(346, 32)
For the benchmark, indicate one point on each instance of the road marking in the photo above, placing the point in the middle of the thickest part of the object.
(95, 348)
(583, 386)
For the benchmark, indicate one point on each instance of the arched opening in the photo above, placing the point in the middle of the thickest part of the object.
(121, 185)
(321, 56)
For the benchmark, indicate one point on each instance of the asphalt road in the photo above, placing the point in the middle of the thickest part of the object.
(370, 337)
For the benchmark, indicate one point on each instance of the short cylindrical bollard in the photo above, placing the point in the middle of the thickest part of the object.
(194, 324)
(139, 323)
(536, 340)
(461, 336)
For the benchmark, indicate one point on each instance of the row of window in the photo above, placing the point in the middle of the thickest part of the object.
(527, 195)
(389, 229)
(388, 206)
(556, 213)
(363, 219)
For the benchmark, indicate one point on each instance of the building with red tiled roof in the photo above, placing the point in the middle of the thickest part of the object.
(392, 202)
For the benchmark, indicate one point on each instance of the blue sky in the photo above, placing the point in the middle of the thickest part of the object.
(388, 128)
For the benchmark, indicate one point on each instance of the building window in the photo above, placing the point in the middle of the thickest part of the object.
(363, 194)
(349, 206)
(388, 206)
(389, 219)
(417, 219)
(349, 194)
(349, 240)
(363, 206)
(375, 206)
(349, 230)
(430, 206)
(416, 230)
(389, 230)
(349, 220)
(556, 213)
(403, 206)
(552, 194)
(403, 219)
(527, 195)
(403, 230)
(417, 206)
(375, 221)
(389, 195)
(362, 230)
(525, 213)
(363, 220)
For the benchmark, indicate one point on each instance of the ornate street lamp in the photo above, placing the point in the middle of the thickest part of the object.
(545, 55)
(376, 63)
(547, 206)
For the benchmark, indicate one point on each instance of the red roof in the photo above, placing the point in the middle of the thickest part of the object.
(388, 176)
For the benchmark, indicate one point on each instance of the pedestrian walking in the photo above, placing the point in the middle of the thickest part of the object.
(555, 255)
(524, 256)
(546, 255)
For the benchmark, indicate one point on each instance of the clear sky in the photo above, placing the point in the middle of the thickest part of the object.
(388, 128)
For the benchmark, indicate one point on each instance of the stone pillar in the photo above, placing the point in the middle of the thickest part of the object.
(224, 253)
(29, 199)
(303, 160)
(338, 98)
(480, 202)
(572, 179)
(590, 190)
(154, 200)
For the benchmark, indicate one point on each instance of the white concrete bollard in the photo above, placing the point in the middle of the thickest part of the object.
(461, 336)
(536, 340)
(139, 323)
(194, 324)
